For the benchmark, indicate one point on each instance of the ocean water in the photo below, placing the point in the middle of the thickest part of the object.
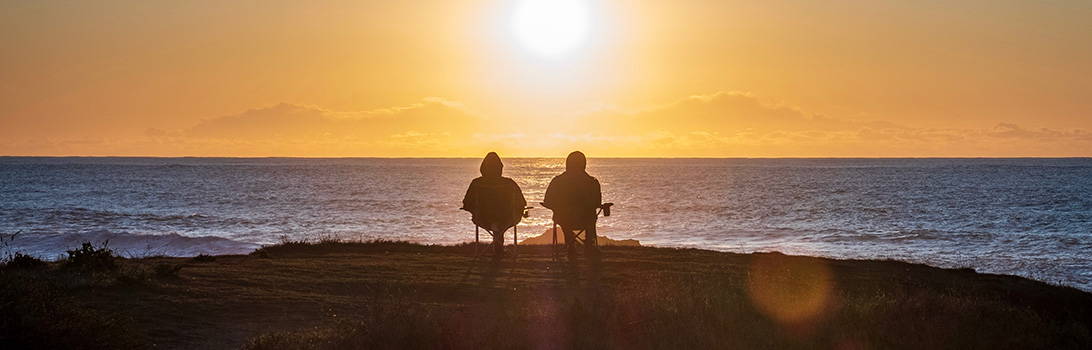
(1027, 217)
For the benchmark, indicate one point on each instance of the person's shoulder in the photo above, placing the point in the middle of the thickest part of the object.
(591, 182)
(557, 177)
(479, 181)
(571, 175)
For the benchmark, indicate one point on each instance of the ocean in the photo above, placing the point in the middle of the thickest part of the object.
(1026, 217)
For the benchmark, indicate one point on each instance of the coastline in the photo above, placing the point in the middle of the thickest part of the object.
(394, 294)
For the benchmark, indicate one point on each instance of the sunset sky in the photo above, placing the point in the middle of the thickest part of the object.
(688, 78)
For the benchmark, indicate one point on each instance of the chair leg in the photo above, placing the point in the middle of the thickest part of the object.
(478, 249)
(556, 249)
(515, 241)
(498, 243)
(572, 240)
(591, 240)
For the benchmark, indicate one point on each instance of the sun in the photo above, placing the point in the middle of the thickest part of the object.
(551, 28)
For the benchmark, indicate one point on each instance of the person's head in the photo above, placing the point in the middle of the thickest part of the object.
(491, 165)
(576, 162)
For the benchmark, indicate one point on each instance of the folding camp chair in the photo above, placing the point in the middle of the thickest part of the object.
(579, 233)
(479, 250)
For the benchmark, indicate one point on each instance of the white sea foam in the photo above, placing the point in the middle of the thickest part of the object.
(52, 246)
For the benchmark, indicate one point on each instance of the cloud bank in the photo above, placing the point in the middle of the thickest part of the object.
(434, 126)
(738, 124)
(721, 124)
(295, 121)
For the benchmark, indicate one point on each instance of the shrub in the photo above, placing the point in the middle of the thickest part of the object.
(90, 258)
(22, 261)
(261, 253)
(204, 258)
(37, 314)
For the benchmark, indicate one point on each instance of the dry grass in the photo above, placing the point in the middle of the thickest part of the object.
(334, 295)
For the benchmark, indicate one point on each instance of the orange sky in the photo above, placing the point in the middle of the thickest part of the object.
(450, 78)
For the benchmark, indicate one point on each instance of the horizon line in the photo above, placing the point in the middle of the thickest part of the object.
(558, 157)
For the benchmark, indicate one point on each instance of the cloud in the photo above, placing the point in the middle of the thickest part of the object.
(721, 124)
(1009, 130)
(291, 121)
(432, 127)
(728, 124)
(721, 112)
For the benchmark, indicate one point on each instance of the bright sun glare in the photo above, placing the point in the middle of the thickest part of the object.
(551, 28)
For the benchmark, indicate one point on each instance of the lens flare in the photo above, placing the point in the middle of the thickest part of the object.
(789, 289)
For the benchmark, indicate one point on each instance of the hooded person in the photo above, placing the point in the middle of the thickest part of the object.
(574, 197)
(495, 202)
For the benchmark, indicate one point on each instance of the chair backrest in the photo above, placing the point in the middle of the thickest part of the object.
(496, 204)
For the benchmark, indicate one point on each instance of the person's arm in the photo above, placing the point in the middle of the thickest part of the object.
(597, 193)
(518, 199)
(522, 200)
(548, 199)
(470, 198)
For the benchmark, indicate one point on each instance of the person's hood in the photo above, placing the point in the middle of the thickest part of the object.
(576, 162)
(491, 165)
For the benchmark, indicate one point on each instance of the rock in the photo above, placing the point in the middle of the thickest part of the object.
(547, 237)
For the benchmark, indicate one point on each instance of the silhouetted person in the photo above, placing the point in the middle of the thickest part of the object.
(495, 202)
(574, 197)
